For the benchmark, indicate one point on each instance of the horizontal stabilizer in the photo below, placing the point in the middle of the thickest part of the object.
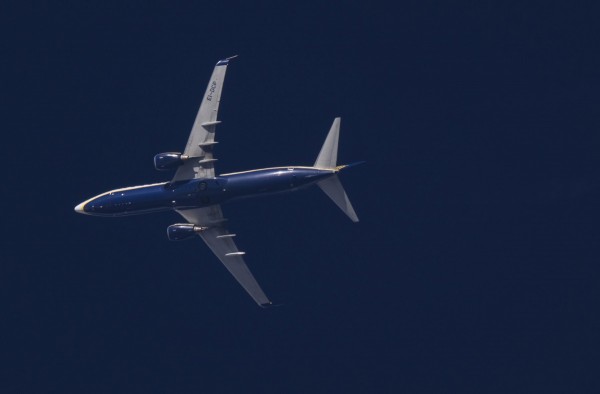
(342, 167)
(334, 189)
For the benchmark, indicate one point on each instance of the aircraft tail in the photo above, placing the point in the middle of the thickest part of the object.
(327, 159)
(334, 189)
(328, 156)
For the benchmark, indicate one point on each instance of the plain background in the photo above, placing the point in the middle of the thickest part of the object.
(474, 267)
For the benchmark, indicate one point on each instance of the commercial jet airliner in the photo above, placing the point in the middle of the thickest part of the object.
(197, 194)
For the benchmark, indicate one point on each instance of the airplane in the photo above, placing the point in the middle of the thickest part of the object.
(197, 194)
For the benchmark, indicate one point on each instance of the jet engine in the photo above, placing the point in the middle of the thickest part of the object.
(168, 160)
(181, 231)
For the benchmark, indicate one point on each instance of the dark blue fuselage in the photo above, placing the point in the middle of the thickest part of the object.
(197, 193)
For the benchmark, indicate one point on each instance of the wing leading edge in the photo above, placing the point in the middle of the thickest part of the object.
(200, 162)
(220, 241)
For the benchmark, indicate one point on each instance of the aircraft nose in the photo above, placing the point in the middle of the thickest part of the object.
(79, 208)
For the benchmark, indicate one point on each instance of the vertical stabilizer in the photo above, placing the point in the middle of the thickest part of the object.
(334, 189)
(328, 156)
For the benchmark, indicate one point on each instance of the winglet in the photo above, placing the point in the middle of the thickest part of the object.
(225, 61)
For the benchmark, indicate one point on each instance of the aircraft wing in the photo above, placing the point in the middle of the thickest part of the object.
(220, 241)
(200, 163)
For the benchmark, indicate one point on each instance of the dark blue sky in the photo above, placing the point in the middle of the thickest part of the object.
(474, 267)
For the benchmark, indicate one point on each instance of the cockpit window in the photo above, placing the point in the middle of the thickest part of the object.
(202, 186)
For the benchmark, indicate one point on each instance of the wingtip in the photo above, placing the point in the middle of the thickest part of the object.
(225, 61)
(269, 305)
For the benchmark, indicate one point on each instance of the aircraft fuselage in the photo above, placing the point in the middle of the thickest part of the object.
(196, 193)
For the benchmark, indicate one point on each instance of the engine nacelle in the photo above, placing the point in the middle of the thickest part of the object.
(168, 160)
(181, 231)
